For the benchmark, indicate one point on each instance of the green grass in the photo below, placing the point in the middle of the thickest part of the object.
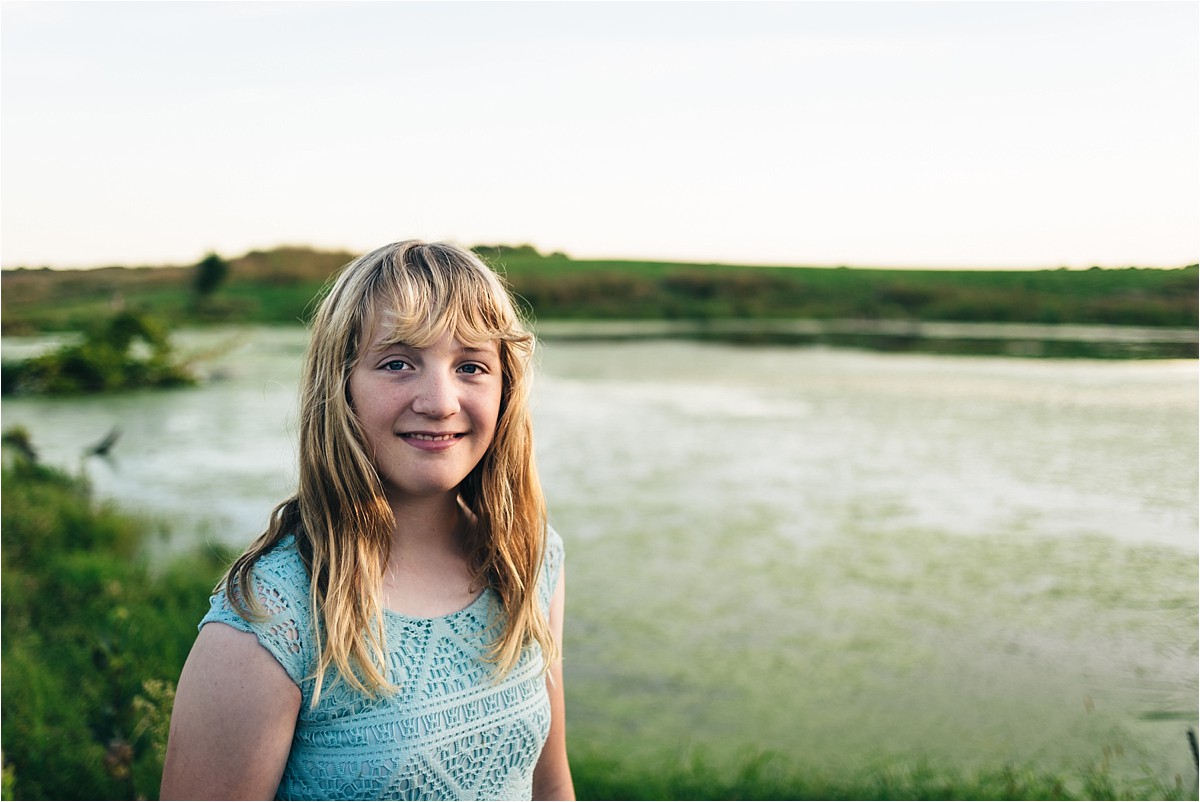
(278, 287)
(771, 776)
(558, 287)
(1126, 297)
(93, 640)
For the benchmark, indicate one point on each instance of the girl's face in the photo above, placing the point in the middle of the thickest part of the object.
(429, 414)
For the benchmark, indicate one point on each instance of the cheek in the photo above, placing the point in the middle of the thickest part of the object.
(363, 408)
(491, 410)
(352, 390)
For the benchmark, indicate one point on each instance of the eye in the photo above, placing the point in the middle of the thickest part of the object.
(472, 369)
(395, 365)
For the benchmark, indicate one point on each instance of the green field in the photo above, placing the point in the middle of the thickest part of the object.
(278, 286)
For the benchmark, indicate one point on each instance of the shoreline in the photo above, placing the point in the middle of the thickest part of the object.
(1029, 340)
(930, 330)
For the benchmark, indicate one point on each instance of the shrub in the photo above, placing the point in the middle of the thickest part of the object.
(127, 351)
(93, 640)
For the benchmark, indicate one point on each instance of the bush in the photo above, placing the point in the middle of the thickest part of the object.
(210, 273)
(125, 352)
(93, 640)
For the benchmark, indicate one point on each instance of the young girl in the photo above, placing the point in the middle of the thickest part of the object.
(396, 632)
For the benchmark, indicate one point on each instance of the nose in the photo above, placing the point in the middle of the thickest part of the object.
(437, 396)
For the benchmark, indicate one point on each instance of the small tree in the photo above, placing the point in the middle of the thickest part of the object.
(211, 272)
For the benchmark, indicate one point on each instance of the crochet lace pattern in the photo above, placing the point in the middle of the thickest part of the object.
(450, 732)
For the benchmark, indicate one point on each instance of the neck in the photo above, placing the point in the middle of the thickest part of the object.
(428, 525)
(428, 572)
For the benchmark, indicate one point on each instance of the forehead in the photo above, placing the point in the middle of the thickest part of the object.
(385, 333)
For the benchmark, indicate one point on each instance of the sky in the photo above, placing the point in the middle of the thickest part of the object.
(890, 134)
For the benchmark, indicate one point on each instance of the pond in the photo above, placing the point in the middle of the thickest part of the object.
(846, 558)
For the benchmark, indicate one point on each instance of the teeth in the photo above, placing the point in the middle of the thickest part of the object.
(431, 437)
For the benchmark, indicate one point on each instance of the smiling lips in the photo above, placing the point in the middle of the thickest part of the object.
(431, 441)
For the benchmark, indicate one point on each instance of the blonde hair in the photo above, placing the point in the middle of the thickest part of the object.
(339, 515)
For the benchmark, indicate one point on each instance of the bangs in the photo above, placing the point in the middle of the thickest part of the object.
(433, 293)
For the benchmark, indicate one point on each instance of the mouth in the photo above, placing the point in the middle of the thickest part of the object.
(431, 437)
(432, 442)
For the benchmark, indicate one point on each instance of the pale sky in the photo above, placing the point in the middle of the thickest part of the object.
(938, 134)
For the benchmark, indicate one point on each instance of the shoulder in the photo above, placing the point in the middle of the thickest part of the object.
(280, 572)
(281, 588)
(281, 582)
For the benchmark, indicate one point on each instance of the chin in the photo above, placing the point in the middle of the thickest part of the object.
(424, 490)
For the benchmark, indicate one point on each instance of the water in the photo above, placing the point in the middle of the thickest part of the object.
(844, 557)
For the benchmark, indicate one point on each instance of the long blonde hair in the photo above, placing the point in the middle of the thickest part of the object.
(339, 515)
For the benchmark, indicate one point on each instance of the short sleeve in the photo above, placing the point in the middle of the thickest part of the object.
(552, 564)
(281, 587)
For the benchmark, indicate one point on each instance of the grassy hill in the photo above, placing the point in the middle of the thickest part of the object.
(277, 286)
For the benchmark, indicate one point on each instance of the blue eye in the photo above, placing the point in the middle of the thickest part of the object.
(395, 364)
(471, 369)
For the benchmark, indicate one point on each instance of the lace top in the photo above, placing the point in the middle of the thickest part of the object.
(448, 733)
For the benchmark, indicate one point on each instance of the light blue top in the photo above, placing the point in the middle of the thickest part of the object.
(448, 733)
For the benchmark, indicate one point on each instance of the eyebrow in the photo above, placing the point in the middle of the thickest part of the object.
(381, 346)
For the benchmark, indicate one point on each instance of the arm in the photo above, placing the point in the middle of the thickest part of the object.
(235, 713)
(552, 775)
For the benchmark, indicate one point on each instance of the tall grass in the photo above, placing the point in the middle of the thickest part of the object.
(93, 640)
(772, 776)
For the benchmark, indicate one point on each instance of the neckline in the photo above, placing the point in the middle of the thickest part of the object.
(289, 541)
(419, 619)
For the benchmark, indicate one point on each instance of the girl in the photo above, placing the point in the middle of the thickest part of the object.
(396, 632)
